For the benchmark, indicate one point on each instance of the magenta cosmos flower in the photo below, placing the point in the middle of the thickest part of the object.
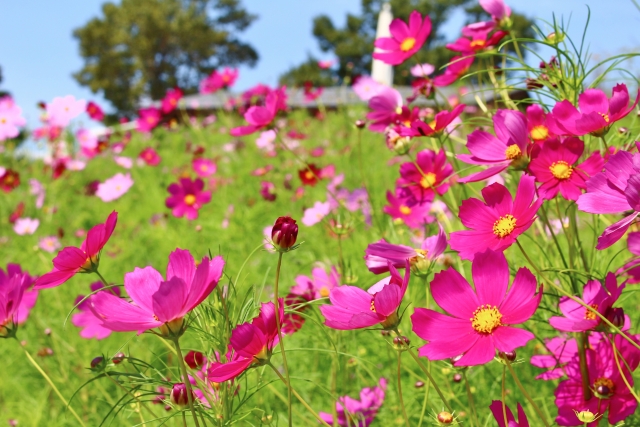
(496, 8)
(609, 391)
(252, 344)
(219, 80)
(204, 167)
(358, 413)
(16, 298)
(508, 147)
(632, 268)
(379, 255)
(150, 156)
(408, 210)
(561, 351)
(427, 176)
(576, 316)
(496, 223)
(555, 167)
(456, 69)
(158, 303)
(405, 39)
(94, 111)
(500, 409)
(171, 99)
(148, 119)
(438, 124)
(319, 285)
(85, 259)
(260, 117)
(596, 114)
(537, 124)
(90, 325)
(614, 191)
(481, 319)
(476, 41)
(386, 106)
(187, 198)
(354, 308)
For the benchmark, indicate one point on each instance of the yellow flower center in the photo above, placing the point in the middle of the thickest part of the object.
(398, 110)
(512, 152)
(89, 262)
(539, 133)
(407, 44)
(324, 292)
(561, 169)
(477, 44)
(3, 120)
(405, 210)
(428, 180)
(486, 319)
(605, 117)
(604, 388)
(591, 315)
(504, 226)
(373, 305)
(308, 175)
(190, 199)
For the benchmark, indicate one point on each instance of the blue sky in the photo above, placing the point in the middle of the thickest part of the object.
(38, 53)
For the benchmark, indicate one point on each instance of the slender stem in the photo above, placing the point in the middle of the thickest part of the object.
(472, 405)
(526, 395)
(106, 374)
(185, 378)
(428, 374)
(426, 398)
(504, 396)
(106, 284)
(276, 303)
(404, 410)
(584, 370)
(622, 374)
(295, 393)
(51, 384)
(184, 419)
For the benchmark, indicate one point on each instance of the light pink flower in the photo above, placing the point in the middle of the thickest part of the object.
(366, 88)
(125, 162)
(49, 244)
(24, 226)
(314, 214)
(62, 110)
(114, 187)
(37, 189)
(10, 118)
(87, 321)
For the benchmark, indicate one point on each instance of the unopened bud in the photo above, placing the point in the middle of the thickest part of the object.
(118, 358)
(586, 416)
(445, 417)
(360, 124)
(284, 233)
(457, 378)
(179, 396)
(623, 130)
(194, 359)
(47, 331)
(615, 315)
(96, 362)
(401, 343)
(419, 384)
(507, 355)
(555, 38)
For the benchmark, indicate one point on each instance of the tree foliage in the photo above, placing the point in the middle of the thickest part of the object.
(141, 48)
(352, 44)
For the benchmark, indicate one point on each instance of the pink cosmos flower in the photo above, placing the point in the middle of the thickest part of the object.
(24, 226)
(386, 106)
(187, 198)
(204, 167)
(311, 93)
(354, 308)
(596, 115)
(366, 88)
(319, 285)
(49, 244)
(456, 68)
(477, 42)
(171, 99)
(94, 111)
(554, 166)
(496, 223)
(90, 325)
(122, 161)
(325, 65)
(481, 319)
(85, 259)
(422, 70)
(37, 189)
(609, 391)
(562, 350)
(576, 317)
(62, 110)
(11, 119)
(268, 191)
(405, 39)
(158, 303)
(498, 409)
(316, 213)
(497, 9)
(440, 122)
(426, 177)
(216, 81)
(260, 117)
(88, 141)
(252, 344)
(508, 147)
(150, 156)
(358, 413)
(408, 210)
(537, 124)
(614, 191)
(21, 309)
(632, 268)
(114, 187)
(148, 119)
(379, 255)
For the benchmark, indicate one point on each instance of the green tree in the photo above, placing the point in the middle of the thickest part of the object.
(352, 45)
(141, 48)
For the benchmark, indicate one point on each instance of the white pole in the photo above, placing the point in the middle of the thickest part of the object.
(381, 72)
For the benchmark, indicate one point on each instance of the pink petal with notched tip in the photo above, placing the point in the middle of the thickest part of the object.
(141, 284)
(483, 351)
(490, 273)
(452, 292)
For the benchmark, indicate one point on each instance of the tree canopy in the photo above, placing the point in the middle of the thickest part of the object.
(141, 48)
(352, 44)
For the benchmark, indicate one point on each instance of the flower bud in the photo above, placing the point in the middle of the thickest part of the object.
(360, 124)
(194, 359)
(179, 396)
(586, 416)
(445, 417)
(457, 378)
(507, 355)
(615, 315)
(401, 343)
(97, 362)
(419, 384)
(284, 233)
(118, 358)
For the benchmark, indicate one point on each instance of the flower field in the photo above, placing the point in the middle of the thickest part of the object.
(408, 261)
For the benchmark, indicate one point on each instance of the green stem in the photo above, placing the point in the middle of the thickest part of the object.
(584, 369)
(404, 410)
(276, 303)
(185, 378)
(472, 405)
(526, 395)
(428, 374)
(106, 284)
(51, 384)
(504, 395)
(295, 393)
(426, 398)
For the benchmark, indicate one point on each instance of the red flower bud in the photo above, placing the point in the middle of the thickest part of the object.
(194, 359)
(284, 233)
(179, 396)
